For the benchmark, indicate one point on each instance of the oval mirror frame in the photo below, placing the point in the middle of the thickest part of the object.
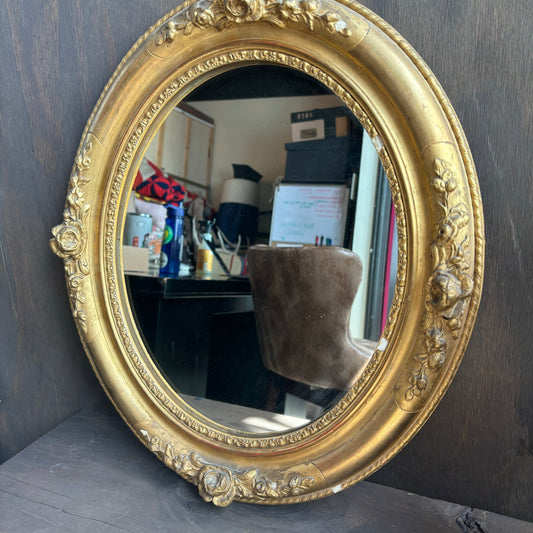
(397, 99)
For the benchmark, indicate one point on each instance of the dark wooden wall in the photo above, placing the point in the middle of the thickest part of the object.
(56, 56)
(477, 448)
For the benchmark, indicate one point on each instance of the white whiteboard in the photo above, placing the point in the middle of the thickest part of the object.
(302, 213)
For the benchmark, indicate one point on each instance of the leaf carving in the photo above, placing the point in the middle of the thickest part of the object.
(70, 237)
(221, 14)
(221, 485)
(448, 287)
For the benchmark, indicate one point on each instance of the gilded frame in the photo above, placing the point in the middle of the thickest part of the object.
(440, 227)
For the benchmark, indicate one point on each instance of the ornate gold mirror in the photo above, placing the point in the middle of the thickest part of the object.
(299, 422)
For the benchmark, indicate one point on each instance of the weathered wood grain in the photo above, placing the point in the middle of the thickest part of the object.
(56, 57)
(89, 474)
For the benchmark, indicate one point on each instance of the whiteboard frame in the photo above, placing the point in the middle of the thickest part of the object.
(337, 239)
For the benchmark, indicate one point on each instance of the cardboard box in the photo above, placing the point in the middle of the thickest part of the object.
(309, 130)
(233, 264)
(135, 259)
(320, 124)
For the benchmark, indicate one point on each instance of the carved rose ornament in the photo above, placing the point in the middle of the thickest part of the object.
(221, 485)
(448, 287)
(70, 237)
(222, 14)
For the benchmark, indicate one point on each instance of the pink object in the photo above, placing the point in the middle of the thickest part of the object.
(386, 289)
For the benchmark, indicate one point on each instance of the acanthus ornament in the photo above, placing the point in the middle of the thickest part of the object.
(220, 14)
(449, 286)
(221, 485)
(70, 237)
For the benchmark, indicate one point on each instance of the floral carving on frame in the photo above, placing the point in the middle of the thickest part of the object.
(221, 485)
(70, 237)
(448, 287)
(221, 14)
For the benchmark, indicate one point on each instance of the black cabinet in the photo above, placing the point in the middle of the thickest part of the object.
(202, 335)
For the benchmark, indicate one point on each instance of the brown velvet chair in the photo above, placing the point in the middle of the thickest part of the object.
(303, 299)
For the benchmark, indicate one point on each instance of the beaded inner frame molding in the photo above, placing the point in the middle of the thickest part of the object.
(397, 99)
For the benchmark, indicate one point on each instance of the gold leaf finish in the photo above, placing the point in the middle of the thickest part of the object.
(449, 287)
(222, 485)
(369, 66)
(70, 237)
(221, 14)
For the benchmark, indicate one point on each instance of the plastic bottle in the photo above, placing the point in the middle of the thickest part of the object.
(172, 242)
(204, 262)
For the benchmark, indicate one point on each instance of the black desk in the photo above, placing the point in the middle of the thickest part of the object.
(171, 288)
(202, 334)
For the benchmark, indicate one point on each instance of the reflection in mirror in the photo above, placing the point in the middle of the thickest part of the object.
(260, 249)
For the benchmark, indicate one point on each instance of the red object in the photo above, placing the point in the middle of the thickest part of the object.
(388, 273)
(159, 186)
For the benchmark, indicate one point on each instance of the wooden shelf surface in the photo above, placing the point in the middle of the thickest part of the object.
(91, 474)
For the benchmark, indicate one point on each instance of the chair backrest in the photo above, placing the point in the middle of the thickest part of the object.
(303, 299)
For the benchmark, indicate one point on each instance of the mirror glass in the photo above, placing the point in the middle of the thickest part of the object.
(262, 291)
